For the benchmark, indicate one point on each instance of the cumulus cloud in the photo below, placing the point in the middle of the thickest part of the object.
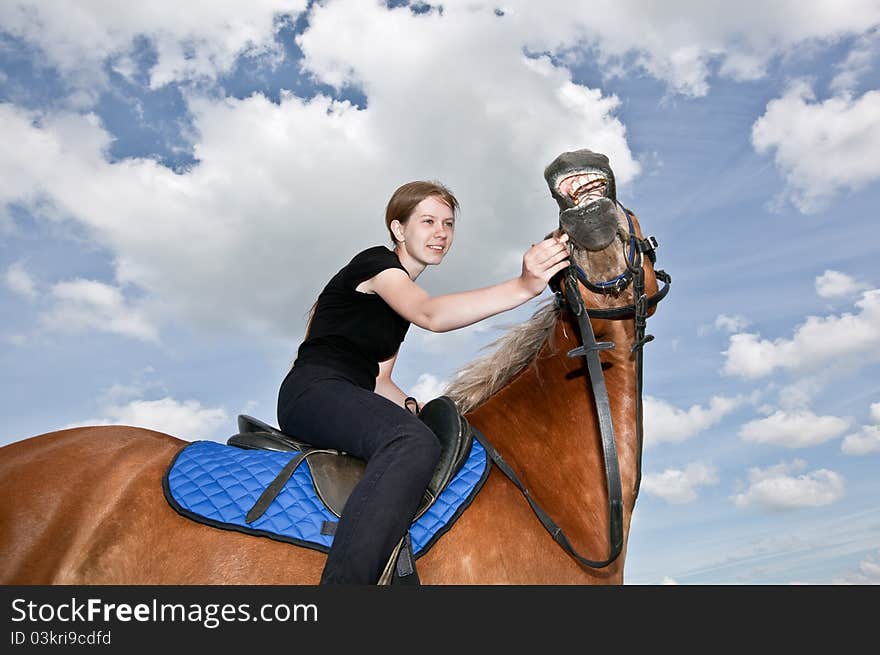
(731, 323)
(274, 179)
(18, 280)
(821, 147)
(834, 284)
(191, 40)
(427, 387)
(776, 488)
(800, 393)
(680, 44)
(867, 440)
(186, 419)
(796, 429)
(86, 305)
(680, 486)
(666, 423)
(857, 63)
(817, 343)
(868, 571)
(864, 442)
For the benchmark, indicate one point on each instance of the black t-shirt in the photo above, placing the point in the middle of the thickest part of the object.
(353, 331)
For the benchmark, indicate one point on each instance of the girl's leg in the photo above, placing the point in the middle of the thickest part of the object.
(401, 454)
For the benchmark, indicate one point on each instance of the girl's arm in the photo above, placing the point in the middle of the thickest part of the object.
(456, 310)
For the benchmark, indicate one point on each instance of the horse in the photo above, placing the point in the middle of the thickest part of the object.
(85, 505)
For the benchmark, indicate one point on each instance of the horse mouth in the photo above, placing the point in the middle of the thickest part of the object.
(589, 216)
(583, 187)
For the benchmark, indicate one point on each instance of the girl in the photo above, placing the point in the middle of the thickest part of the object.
(339, 393)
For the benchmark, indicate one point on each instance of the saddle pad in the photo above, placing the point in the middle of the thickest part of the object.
(217, 484)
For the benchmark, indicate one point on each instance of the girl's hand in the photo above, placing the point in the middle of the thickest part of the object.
(542, 261)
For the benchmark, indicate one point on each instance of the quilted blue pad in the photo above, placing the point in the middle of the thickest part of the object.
(217, 484)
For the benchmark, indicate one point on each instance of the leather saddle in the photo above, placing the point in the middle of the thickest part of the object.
(335, 473)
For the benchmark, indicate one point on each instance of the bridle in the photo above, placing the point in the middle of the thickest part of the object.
(569, 296)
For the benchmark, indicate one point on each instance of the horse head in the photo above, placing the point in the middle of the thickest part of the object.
(606, 240)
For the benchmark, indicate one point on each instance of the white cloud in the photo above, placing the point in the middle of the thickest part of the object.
(267, 186)
(819, 342)
(864, 442)
(679, 486)
(821, 148)
(856, 65)
(797, 429)
(775, 488)
(191, 40)
(427, 387)
(84, 305)
(678, 43)
(186, 420)
(666, 423)
(834, 284)
(731, 323)
(17, 279)
(867, 440)
(868, 572)
(681, 42)
(274, 180)
(798, 395)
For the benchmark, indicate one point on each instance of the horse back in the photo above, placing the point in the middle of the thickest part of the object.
(85, 506)
(64, 492)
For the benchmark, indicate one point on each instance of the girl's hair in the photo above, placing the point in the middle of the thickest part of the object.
(402, 203)
(404, 200)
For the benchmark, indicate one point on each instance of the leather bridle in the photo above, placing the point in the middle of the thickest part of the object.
(569, 296)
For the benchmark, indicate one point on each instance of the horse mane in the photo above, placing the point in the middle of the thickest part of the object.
(478, 380)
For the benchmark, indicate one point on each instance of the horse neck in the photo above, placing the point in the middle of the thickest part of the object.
(544, 423)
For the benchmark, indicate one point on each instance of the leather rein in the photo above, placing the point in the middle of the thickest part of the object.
(570, 296)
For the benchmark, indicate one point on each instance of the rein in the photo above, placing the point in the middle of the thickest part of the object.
(589, 350)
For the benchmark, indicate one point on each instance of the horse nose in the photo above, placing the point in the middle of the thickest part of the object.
(592, 227)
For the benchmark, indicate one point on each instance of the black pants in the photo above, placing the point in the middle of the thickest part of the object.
(326, 409)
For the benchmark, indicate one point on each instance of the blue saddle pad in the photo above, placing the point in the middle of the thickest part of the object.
(217, 484)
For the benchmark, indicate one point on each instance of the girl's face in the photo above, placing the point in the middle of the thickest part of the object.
(427, 234)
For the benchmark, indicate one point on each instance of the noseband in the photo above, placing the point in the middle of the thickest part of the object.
(617, 284)
(570, 296)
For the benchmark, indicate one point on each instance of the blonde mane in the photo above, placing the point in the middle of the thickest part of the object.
(475, 382)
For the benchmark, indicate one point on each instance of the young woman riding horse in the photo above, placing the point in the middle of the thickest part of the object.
(339, 393)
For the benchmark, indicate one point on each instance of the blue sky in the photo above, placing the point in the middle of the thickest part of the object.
(176, 187)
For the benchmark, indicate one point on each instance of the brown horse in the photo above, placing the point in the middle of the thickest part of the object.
(85, 505)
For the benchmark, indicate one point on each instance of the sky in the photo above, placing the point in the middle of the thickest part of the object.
(179, 180)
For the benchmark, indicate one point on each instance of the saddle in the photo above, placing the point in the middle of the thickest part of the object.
(335, 473)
